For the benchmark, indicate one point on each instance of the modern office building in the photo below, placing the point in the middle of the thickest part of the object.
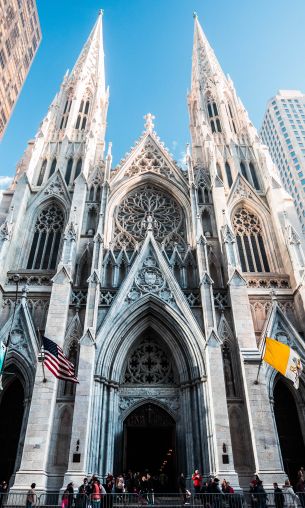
(159, 284)
(283, 131)
(20, 36)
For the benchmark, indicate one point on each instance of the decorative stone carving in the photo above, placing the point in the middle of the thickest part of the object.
(165, 214)
(56, 187)
(267, 282)
(39, 279)
(150, 159)
(150, 279)
(79, 297)
(221, 300)
(4, 231)
(149, 364)
(70, 233)
(107, 297)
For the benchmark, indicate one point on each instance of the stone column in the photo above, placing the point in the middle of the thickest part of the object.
(262, 426)
(34, 463)
(221, 464)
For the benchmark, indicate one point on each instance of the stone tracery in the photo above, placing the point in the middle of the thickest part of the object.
(149, 204)
(149, 363)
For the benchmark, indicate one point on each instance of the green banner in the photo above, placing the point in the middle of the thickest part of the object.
(2, 355)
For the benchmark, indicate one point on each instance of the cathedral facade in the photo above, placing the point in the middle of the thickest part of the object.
(159, 283)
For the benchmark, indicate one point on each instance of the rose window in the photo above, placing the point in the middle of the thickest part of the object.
(148, 205)
(149, 363)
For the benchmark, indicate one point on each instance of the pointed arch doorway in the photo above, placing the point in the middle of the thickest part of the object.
(289, 429)
(150, 444)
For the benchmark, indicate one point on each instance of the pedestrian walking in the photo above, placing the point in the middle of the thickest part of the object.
(31, 496)
(290, 498)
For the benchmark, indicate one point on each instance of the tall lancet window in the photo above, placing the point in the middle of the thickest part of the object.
(47, 238)
(65, 114)
(229, 174)
(42, 172)
(243, 170)
(53, 167)
(254, 176)
(250, 242)
(69, 171)
(83, 114)
(214, 116)
(78, 168)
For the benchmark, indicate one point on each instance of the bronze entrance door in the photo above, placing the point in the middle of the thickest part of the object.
(149, 445)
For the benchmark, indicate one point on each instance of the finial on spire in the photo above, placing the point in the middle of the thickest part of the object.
(100, 12)
(149, 124)
(195, 16)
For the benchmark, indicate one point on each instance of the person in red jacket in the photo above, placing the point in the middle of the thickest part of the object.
(197, 481)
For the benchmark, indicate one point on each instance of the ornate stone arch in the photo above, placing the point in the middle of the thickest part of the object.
(149, 311)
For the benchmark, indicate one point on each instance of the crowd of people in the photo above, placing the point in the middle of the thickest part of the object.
(209, 492)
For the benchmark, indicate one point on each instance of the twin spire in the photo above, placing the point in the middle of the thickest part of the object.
(91, 59)
(90, 62)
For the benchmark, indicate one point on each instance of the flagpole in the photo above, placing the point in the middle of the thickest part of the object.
(273, 299)
(16, 279)
(261, 361)
(41, 357)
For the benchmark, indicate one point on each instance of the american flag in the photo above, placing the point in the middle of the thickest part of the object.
(56, 362)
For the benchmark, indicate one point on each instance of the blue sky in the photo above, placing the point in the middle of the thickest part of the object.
(148, 47)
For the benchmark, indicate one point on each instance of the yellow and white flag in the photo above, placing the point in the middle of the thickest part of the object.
(284, 359)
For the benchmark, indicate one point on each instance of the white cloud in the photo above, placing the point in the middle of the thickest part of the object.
(5, 181)
(182, 160)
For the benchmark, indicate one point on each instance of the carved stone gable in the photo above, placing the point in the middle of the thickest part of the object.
(56, 187)
(150, 279)
(150, 159)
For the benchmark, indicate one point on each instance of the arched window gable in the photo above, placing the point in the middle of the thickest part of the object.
(250, 241)
(46, 238)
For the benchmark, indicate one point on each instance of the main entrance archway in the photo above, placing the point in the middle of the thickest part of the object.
(149, 444)
(289, 430)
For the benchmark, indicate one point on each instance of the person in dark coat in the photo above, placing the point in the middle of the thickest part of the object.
(182, 486)
(260, 494)
(278, 496)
